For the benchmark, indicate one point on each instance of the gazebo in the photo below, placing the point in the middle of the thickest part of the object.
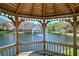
(43, 13)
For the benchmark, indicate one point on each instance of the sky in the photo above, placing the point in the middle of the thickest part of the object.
(3, 18)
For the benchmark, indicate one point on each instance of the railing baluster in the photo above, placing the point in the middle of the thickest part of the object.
(4, 51)
(22, 47)
(41, 46)
(25, 48)
(9, 51)
(69, 50)
(47, 47)
(36, 46)
(13, 51)
(60, 49)
(63, 50)
(57, 47)
(0, 52)
(19, 49)
(66, 51)
(33, 47)
(52, 47)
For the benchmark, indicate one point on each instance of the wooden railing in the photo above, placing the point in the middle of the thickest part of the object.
(31, 46)
(78, 51)
(9, 50)
(63, 49)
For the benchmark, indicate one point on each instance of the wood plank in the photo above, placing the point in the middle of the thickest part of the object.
(19, 7)
(54, 7)
(32, 9)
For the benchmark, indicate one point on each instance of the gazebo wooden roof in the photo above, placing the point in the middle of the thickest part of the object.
(40, 9)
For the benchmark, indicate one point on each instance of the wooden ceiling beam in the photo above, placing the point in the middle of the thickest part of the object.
(19, 8)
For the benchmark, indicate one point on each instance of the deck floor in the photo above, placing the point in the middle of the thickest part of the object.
(40, 53)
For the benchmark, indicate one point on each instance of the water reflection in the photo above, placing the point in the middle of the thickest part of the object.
(7, 39)
(10, 38)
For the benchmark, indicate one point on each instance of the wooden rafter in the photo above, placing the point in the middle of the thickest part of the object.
(19, 8)
(10, 4)
(71, 7)
(32, 8)
(43, 10)
(54, 7)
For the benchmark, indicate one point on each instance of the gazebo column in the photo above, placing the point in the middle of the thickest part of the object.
(44, 41)
(74, 36)
(17, 41)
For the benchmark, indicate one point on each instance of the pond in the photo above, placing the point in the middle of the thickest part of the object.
(7, 39)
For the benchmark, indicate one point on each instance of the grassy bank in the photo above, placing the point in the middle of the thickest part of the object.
(65, 34)
(20, 32)
(4, 32)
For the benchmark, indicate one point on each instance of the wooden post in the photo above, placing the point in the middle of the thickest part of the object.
(43, 14)
(44, 41)
(74, 36)
(0, 11)
(17, 41)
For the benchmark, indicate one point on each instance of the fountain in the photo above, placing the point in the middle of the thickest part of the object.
(33, 30)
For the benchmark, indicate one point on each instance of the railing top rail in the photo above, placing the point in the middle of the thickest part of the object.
(10, 45)
(37, 42)
(27, 43)
(59, 44)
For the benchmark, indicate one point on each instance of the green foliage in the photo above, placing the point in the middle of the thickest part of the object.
(4, 32)
(51, 27)
(61, 26)
(71, 52)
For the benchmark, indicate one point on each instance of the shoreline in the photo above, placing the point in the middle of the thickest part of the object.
(65, 34)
